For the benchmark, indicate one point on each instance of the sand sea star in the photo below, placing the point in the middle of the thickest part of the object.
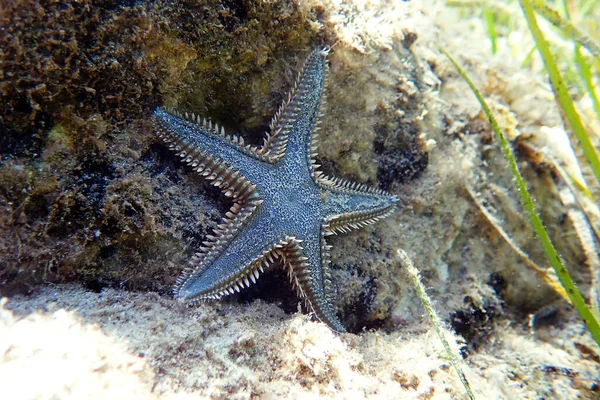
(284, 207)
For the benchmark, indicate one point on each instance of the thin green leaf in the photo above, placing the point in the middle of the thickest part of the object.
(433, 317)
(553, 257)
(588, 6)
(491, 28)
(565, 26)
(527, 59)
(586, 74)
(561, 92)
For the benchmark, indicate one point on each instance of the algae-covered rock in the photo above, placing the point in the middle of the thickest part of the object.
(84, 190)
(119, 206)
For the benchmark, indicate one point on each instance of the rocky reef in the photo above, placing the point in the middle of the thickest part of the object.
(98, 218)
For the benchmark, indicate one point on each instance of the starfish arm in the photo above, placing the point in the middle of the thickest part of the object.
(294, 129)
(349, 209)
(207, 149)
(307, 264)
(230, 263)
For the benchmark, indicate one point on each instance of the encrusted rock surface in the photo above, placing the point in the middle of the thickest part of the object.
(79, 342)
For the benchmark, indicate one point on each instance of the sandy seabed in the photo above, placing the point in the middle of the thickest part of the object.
(66, 342)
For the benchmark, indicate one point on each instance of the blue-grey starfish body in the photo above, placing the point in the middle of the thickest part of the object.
(284, 207)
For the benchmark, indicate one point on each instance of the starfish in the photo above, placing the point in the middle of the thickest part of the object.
(283, 206)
